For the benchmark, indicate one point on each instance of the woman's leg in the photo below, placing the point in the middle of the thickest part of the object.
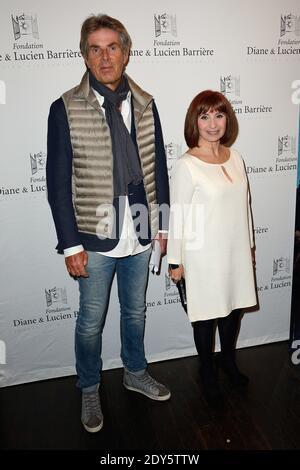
(203, 337)
(228, 330)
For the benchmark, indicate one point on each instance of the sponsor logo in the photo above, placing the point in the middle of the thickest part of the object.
(173, 152)
(166, 42)
(171, 295)
(37, 162)
(168, 282)
(26, 34)
(285, 160)
(56, 311)
(288, 42)
(281, 275)
(27, 46)
(290, 24)
(165, 33)
(230, 86)
(281, 265)
(25, 25)
(37, 180)
(56, 294)
(286, 154)
(57, 305)
(165, 23)
(286, 145)
(37, 166)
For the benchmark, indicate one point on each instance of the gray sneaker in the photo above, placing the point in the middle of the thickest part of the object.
(91, 414)
(146, 385)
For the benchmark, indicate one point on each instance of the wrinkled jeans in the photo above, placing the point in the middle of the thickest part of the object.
(132, 277)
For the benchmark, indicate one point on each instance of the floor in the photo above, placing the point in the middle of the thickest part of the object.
(266, 416)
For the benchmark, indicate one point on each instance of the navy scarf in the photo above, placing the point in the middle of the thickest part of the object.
(127, 168)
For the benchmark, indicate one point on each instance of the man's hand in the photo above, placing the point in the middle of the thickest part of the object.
(76, 264)
(163, 240)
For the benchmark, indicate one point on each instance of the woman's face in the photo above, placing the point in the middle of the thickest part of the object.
(211, 126)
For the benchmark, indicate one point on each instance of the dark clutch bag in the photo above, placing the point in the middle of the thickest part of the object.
(182, 292)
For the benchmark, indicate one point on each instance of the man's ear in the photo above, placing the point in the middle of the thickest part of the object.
(126, 58)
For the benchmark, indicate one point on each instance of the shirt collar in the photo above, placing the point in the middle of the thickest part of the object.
(125, 103)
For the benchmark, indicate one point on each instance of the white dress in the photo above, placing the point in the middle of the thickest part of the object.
(211, 234)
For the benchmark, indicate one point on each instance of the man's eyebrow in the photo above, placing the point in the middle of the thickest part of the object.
(108, 45)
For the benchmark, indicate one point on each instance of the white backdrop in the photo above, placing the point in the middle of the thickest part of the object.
(249, 52)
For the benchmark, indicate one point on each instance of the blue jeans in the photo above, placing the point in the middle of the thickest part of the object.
(132, 277)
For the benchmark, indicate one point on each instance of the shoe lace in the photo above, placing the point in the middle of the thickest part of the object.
(148, 381)
(92, 403)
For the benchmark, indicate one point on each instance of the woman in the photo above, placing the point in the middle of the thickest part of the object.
(211, 235)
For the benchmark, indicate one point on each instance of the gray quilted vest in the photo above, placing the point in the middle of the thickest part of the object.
(92, 173)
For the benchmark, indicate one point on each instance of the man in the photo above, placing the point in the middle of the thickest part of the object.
(106, 175)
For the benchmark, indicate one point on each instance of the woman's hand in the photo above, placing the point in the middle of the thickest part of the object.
(176, 274)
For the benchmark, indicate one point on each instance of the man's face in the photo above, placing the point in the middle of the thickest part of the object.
(105, 57)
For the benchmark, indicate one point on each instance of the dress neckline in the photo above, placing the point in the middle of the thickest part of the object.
(212, 164)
